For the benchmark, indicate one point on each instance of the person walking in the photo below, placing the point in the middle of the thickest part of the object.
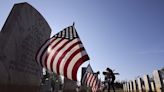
(111, 78)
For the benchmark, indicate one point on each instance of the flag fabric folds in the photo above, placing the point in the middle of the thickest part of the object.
(63, 53)
(90, 79)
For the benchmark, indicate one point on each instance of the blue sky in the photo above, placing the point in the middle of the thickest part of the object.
(125, 35)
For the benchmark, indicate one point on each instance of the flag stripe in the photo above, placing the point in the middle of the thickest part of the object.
(84, 77)
(62, 59)
(92, 80)
(64, 54)
(42, 50)
(89, 79)
(46, 55)
(71, 33)
(67, 33)
(56, 53)
(78, 63)
(55, 50)
(72, 63)
(74, 32)
(70, 59)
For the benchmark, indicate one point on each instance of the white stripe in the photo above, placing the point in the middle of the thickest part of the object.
(73, 62)
(89, 79)
(42, 49)
(70, 31)
(63, 33)
(74, 32)
(53, 51)
(49, 48)
(94, 84)
(63, 62)
(67, 33)
(61, 67)
(92, 80)
(84, 78)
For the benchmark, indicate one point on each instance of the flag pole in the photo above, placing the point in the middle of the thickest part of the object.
(73, 24)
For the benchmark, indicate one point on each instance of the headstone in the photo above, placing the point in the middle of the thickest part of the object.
(125, 87)
(134, 85)
(139, 82)
(147, 83)
(153, 86)
(24, 31)
(128, 87)
(158, 81)
(131, 86)
(69, 85)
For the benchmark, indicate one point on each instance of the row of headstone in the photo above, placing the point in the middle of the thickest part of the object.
(154, 84)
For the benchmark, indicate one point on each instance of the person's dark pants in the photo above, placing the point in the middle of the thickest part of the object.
(108, 86)
(111, 84)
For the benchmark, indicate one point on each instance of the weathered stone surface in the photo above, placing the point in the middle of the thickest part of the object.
(158, 81)
(147, 83)
(135, 85)
(153, 86)
(69, 85)
(24, 31)
(131, 86)
(139, 82)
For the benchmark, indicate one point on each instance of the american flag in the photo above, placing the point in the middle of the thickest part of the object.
(63, 53)
(90, 79)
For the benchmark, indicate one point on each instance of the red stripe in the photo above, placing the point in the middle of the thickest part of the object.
(85, 82)
(89, 80)
(45, 50)
(57, 51)
(47, 54)
(36, 56)
(93, 80)
(69, 60)
(88, 75)
(63, 55)
(77, 65)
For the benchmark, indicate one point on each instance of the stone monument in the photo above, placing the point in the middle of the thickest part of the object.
(134, 85)
(69, 85)
(146, 80)
(128, 87)
(131, 86)
(158, 81)
(139, 82)
(125, 87)
(152, 86)
(24, 31)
